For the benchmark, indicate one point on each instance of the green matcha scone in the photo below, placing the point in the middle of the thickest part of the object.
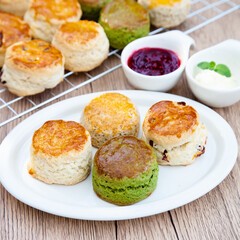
(125, 171)
(92, 8)
(124, 21)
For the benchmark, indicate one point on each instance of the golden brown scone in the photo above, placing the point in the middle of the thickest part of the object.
(175, 131)
(12, 29)
(16, 7)
(110, 115)
(45, 17)
(166, 13)
(61, 153)
(84, 45)
(31, 67)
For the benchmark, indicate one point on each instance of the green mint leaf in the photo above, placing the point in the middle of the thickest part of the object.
(203, 65)
(212, 65)
(223, 70)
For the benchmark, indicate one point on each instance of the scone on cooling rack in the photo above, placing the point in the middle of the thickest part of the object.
(110, 115)
(12, 29)
(30, 67)
(45, 17)
(175, 131)
(16, 7)
(166, 13)
(125, 171)
(124, 21)
(61, 153)
(84, 45)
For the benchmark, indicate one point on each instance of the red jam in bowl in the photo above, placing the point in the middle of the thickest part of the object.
(154, 61)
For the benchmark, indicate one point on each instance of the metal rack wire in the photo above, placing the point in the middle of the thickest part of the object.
(202, 11)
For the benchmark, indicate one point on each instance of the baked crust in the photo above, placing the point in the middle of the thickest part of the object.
(170, 123)
(124, 157)
(12, 29)
(34, 55)
(110, 115)
(62, 10)
(81, 33)
(59, 137)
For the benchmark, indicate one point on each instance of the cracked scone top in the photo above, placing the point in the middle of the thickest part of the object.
(170, 123)
(45, 17)
(125, 170)
(30, 67)
(12, 29)
(35, 54)
(60, 153)
(110, 115)
(175, 132)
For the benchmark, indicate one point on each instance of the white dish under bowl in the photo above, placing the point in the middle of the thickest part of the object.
(175, 41)
(228, 53)
(176, 185)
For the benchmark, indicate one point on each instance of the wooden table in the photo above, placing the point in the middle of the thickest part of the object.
(214, 216)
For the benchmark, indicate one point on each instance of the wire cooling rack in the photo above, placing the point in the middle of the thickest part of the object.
(202, 13)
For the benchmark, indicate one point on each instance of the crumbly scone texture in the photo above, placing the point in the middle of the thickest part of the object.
(166, 13)
(124, 21)
(31, 67)
(12, 29)
(61, 153)
(184, 154)
(45, 17)
(125, 171)
(16, 7)
(170, 124)
(84, 45)
(110, 115)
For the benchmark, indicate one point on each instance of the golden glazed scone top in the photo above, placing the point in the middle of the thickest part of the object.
(156, 3)
(35, 54)
(58, 137)
(124, 157)
(56, 9)
(170, 123)
(80, 32)
(111, 112)
(12, 29)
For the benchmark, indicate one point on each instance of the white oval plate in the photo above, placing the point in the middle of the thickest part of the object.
(176, 185)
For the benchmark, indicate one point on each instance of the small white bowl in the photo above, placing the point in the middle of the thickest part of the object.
(228, 53)
(175, 41)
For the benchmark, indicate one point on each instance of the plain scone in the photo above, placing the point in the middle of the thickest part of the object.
(16, 7)
(166, 13)
(110, 115)
(175, 131)
(61, 153)
(84, 45)
(44, 17)
(31, 67)
(12, 29)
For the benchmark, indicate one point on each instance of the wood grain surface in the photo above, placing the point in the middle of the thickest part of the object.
(214, 216)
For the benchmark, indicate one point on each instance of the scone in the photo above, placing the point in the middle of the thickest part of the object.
(16, 7)
(84, 45)
(31, 67)
(166, 13)
(92, 8)
(12, 29)
(45, 17)
(60, 153)
(125, 171)
(110, 115)
(124, 21)
(175, 132)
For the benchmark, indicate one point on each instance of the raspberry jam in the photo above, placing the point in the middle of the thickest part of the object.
(154, 61)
